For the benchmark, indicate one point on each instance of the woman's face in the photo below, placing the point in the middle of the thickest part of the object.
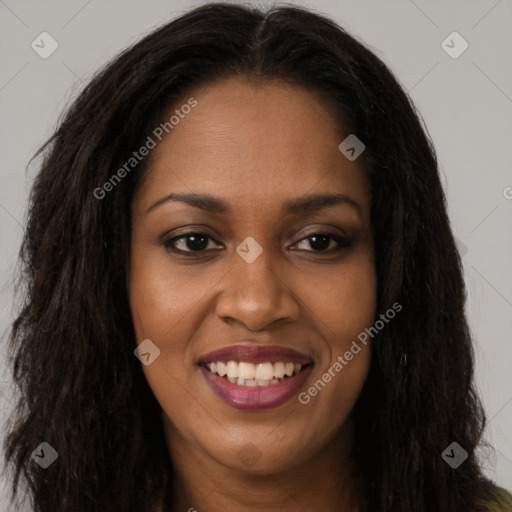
(240, 270)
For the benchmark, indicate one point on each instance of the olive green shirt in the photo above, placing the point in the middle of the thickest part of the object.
(503, 502)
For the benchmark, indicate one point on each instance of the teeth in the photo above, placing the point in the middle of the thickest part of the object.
(245, 370)
(278, 370)
(232, 369)
(249, 374)
(221, 368)
(264, 371)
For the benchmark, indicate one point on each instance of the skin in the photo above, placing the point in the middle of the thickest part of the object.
(255, 145)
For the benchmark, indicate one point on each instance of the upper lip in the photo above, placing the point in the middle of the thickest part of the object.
(256, 354)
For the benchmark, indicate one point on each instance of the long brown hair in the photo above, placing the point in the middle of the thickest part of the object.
(83, 391)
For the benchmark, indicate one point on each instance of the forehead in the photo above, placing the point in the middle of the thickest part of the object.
(253, 141)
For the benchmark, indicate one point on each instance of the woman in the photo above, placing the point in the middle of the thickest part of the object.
(243, 291)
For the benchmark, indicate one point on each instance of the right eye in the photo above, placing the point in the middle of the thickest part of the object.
(190, 242)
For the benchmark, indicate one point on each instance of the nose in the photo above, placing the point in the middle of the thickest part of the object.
(256, 294)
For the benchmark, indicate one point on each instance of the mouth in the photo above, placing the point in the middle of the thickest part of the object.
(247, 374)
(254, 377)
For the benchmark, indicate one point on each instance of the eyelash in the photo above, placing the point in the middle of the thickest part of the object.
(342, 242)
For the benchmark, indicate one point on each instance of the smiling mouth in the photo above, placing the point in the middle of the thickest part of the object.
(253, 375)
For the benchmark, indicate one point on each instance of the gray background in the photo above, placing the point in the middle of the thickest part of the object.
(466, 104)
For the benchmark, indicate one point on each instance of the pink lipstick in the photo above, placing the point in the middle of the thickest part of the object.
(253, 378)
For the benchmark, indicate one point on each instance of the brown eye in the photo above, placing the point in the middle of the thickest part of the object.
(319, 242)
(190, 242)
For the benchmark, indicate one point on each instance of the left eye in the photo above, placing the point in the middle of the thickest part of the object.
(321, 241)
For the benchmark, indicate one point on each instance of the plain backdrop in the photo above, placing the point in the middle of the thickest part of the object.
(465, 102)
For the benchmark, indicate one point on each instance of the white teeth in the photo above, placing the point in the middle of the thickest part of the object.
(249, 374)
(264, 371)
(221, 369)
(232, 370)
(279, 370)
(246, 370)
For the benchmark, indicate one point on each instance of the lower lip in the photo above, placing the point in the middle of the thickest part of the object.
(255, 398)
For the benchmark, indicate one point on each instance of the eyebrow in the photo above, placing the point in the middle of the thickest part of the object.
(303, 204)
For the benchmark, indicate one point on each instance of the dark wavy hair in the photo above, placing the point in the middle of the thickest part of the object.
(71, 345)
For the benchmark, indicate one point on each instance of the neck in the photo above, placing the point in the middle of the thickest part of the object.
(325, 481)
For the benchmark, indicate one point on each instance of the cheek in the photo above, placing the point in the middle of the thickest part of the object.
(345, 308)
(156, 287)
(159, 312)
(344, 300)
(163, 297)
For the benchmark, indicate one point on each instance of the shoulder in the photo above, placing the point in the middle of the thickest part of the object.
(502, 501)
